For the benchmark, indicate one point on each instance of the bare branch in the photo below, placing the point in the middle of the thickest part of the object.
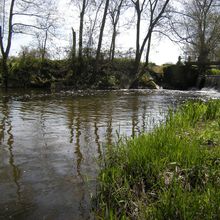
(27, 14)
(28, 25)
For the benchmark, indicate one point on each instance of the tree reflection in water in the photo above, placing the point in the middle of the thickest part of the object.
(7, 140)
(49, 146)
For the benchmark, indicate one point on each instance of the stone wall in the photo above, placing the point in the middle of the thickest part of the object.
(181, 77)
(212, 82)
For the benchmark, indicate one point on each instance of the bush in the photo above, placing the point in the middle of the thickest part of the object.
(23, 68)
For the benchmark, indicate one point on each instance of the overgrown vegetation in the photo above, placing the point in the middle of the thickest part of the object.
(29, 70)
(172, 172)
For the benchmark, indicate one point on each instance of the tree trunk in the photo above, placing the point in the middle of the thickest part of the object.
(137, 56)
(101, 32)
(73, 55)
(153, 22)
(82, 13)
(202, 61)
(141, 71)
(112, 47)
(148, 50)
(5, 52)
(44, 47)
(115, 20)
(90, 41)
(5, 73)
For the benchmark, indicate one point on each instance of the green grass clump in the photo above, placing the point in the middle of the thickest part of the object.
(170, 173)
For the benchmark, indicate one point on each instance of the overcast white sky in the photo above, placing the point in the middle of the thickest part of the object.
(162, 51)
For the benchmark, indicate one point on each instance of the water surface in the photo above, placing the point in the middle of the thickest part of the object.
(50, 144)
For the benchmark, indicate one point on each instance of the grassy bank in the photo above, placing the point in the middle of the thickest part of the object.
(170, 173)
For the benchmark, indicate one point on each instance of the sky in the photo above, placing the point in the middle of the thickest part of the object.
(162, 50)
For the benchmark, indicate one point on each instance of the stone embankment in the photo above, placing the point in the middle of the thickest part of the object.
(209, 81)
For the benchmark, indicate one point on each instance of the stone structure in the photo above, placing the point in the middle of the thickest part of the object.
(209, 81)
(181, 77)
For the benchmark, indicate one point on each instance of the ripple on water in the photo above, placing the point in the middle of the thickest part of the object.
(50, 144)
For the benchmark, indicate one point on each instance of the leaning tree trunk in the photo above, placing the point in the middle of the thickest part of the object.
(148, 49)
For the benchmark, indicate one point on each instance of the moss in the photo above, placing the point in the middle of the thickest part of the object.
(146, 81)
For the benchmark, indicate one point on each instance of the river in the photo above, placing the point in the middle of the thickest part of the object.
(50, 144)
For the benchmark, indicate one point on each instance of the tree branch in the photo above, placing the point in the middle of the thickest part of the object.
(29, 25)
(27, 14)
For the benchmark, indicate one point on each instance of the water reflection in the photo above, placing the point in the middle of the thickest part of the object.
(5, 113)
(143, 118)
(109, 128)
(96, 133)
(77, 144)
(49, 146)
(135, 108)
(16, 173)
(7, 140)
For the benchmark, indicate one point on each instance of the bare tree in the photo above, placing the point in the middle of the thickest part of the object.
(197, 26)
(13, 12)
(48, 27)
(139, 7)
(6, 49)
(115, 12)
(93, 21)
(155, 10)
(158, 12)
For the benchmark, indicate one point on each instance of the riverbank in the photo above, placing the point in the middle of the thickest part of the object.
(27, 71)
(170, 173)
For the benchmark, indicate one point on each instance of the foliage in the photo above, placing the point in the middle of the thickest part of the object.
(29, 70)
(215, 72)
(196, 24)
(22, 68)
(170, 173)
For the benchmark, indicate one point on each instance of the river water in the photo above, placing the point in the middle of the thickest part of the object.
(50, 144)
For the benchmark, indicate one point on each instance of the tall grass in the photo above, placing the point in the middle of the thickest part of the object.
(170, 173)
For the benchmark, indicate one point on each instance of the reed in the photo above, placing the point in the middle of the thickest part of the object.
(172, 172)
